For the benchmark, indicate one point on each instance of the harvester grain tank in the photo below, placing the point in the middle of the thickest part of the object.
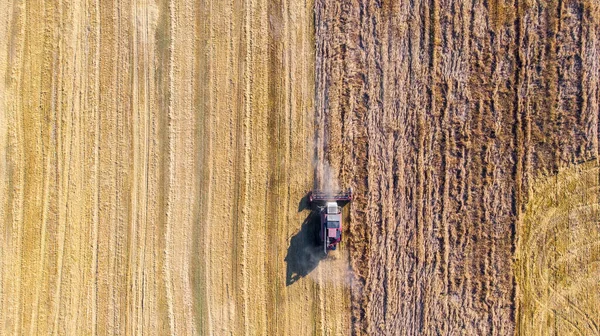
(329, 206)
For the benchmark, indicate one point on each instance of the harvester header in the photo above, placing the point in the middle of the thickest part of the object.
(320, 197)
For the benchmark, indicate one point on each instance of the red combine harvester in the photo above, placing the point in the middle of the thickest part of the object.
(329, 205)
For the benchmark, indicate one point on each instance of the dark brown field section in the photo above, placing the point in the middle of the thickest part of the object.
(439, 114)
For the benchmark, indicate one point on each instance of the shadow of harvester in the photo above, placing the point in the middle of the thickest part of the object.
(305, 252)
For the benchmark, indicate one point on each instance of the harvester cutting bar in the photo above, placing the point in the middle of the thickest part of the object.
(320, 196)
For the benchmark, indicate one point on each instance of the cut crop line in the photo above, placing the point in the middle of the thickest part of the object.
(63, 193)
(14, 304)
(247, 166)
(210, 121)
(146, 83)
(96, 202)
(45, 208)
(133, 220)
(171, 135)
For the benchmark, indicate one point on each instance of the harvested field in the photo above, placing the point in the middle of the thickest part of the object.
(155, 157)
(558, 255)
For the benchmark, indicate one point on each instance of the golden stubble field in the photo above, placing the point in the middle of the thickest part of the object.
(153, 159)
(558, 255)
(155, 155)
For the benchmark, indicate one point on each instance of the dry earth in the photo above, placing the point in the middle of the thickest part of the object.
(155, 156)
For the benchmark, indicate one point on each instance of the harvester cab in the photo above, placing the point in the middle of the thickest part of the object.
(329, 206)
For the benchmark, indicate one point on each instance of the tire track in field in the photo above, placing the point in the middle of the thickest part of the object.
(141, 301)
(170, 144)
(65, 148)
(186, 173)
(48, 176)
(206, 97)
(133, 260)
(13, 156)
(95, 192)
(7, 45)
(246, 126)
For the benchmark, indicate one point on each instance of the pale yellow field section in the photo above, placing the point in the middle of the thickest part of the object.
(153, 156)
(558, 255)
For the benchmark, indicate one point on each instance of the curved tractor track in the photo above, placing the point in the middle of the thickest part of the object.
(558, 255)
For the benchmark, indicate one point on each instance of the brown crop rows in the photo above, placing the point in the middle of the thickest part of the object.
(439, 113)
(155, 155)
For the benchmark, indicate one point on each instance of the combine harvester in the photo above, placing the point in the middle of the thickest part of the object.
(329, 206)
